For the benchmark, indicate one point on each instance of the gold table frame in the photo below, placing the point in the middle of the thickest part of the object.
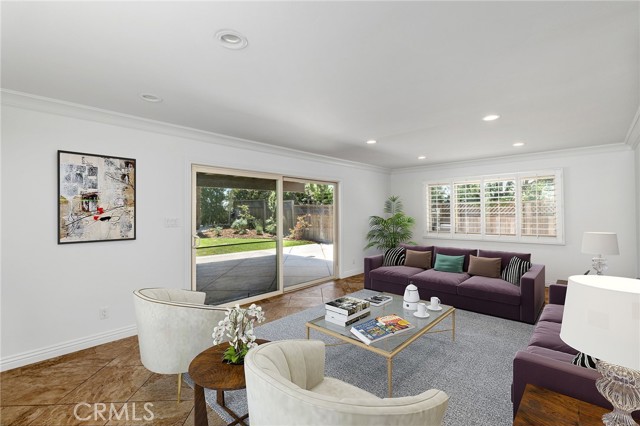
(447, 311)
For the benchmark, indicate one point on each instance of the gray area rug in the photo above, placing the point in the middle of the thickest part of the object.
(475, 370)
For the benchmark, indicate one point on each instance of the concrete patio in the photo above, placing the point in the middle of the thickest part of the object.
(228, 277)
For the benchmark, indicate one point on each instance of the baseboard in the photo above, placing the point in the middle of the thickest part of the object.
(351, 272)
(30, 357)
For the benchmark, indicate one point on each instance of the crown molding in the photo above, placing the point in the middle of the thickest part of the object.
(591, 150)
(85, 112)
(633, 135)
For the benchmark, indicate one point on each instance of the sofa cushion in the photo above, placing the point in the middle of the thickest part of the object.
(484, 266)
(446, 282)
(552, 313)
(515, 270)
(394, 274)
(418, 259)
(493, 289)
(547, 335)
(446, 263)
(416, 248)
(394, 257)
(550, 353)
(454, 251)
(505, 256)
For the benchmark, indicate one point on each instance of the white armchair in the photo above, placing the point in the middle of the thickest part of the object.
(286, 386)
(174, 326)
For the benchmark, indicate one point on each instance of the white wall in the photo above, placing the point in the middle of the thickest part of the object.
(51, 293)
(599, 195)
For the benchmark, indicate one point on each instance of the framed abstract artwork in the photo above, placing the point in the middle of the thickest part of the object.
(96, 198)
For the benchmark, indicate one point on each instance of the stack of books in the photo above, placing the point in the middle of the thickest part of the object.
(346, 310)
(379, 299)
(380, 328)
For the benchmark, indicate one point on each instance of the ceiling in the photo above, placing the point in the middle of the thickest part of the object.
(324, 77)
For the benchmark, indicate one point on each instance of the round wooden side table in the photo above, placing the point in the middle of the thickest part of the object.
(209, 371)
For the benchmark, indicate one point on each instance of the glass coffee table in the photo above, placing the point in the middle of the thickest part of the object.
(390, 346)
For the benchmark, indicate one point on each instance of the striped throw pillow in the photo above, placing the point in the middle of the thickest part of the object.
(515, 270)
(394, 257)
(584, 360)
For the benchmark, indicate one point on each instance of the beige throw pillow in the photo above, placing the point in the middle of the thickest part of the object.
(485, 266)
(418, 259)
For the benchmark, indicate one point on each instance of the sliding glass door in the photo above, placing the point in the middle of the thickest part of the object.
(235, 235)
(309, 227)
(255, 235)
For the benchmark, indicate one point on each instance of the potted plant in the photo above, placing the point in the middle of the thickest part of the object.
(238, 327)
(386, 233)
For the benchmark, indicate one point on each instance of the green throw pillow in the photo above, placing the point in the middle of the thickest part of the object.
(446, 263)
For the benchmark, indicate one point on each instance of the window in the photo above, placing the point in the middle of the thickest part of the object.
(500, 207)
(467, 207)
(539, 206)
(439, 207)
(524, 207)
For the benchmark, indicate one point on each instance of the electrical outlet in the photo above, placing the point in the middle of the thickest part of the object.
(103, 313)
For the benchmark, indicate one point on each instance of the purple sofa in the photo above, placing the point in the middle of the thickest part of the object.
(546, 362)
(492, 296)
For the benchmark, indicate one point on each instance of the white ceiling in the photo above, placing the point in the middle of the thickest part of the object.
(324, 77)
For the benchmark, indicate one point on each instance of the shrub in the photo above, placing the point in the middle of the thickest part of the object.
(298, 230)
(270, 226)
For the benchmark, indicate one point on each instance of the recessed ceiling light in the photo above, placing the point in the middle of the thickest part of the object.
(422, 157)
(149, 97)
(231, 39)
(490, 117)
(518, 144)
(371, 141)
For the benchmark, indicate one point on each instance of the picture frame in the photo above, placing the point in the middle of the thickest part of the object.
(96, 198)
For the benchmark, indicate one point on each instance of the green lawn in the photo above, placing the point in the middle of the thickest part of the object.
(235, 245)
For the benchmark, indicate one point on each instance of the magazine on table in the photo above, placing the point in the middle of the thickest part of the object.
(380, 328)
(343, 320)
(347, 305)
(379, 299)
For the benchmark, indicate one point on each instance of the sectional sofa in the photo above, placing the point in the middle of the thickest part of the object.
(546, 362)
(492, 296)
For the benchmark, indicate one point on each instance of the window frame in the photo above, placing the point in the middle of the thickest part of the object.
(518, 177)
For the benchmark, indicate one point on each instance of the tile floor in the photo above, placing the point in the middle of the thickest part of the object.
(46, 393)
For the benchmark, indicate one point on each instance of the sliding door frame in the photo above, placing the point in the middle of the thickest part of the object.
(334, 235)
(200, 168)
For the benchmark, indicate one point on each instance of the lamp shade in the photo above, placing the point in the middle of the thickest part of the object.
(600, 243)
(602, 318)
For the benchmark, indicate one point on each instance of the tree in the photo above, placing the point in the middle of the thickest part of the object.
(386, 233)
(212, 206)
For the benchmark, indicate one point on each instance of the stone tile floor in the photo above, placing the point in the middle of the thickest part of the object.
(47, 393)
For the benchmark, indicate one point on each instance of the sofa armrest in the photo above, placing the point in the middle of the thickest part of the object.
(532, 292)
(562, 377)
(557, 293)
(371, 263)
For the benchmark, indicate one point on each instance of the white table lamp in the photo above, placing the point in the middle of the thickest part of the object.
(602, 319)
(600, 243)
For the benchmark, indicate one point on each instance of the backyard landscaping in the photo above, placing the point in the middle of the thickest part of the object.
(230, 242)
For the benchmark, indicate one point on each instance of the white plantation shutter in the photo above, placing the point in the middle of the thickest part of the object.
(500, 207)
(538, 206)
(518, 207)
(467, 207)
(439, 208)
